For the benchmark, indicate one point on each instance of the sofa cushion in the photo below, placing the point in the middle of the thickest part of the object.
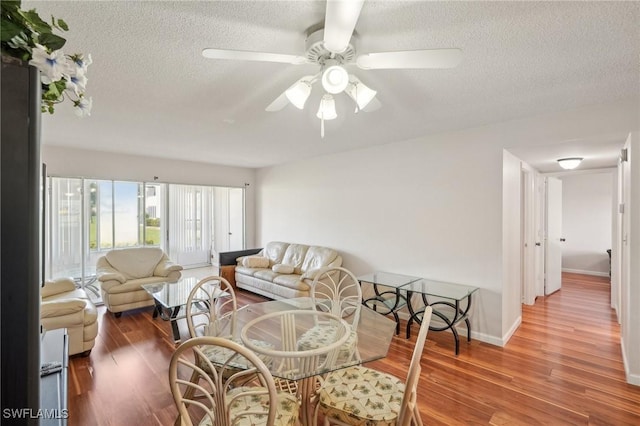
(247, 271)
(265, 274)
(274, 251)
(295, 256)
(318, 257)
(136, 262)
(255, 262)
(292, 281)
(281, 268)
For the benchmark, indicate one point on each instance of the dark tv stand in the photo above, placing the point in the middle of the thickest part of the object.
(53, 387)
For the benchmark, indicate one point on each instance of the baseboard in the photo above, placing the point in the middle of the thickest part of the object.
(462, 331)
(581, 271)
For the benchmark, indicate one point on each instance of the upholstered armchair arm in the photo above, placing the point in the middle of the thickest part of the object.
(57, 286)
(165, 268)
(64, 308)
(106, 272)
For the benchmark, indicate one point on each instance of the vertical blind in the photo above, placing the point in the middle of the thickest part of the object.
(190, 224)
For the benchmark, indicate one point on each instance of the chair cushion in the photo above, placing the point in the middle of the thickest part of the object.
(219, 355)
(362, 396)
(286, 411)
(322, 335)
(136, 262)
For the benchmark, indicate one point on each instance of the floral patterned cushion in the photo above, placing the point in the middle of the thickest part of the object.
(286, 411)
(361, 396)
(218, 354)
(322, 335)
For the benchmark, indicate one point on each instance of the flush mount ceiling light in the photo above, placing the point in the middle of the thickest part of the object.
(569, 163)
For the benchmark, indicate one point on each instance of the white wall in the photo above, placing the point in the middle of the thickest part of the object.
(511, 244)
(71, 162)
(630, 327)
(586, 222)
(431, 206)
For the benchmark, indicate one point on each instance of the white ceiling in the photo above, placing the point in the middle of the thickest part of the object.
(154, 93)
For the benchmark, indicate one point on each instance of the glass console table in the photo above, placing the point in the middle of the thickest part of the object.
(450, 302)
(392, 292)
(388, 299)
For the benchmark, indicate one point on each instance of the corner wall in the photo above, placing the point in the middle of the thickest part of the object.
(431, 206)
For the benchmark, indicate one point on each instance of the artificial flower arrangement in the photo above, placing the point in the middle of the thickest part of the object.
(27, 37)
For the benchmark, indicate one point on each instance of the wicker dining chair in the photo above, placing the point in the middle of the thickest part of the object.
(231, 393)
(337, 291)
(360, 395)
(211, 311)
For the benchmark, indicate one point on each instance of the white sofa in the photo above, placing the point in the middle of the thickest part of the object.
(283, 270)
(122, 272)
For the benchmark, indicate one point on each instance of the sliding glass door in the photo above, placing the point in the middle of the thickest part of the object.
(190, 224)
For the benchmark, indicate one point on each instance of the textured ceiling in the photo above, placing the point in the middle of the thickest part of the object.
(154, 93)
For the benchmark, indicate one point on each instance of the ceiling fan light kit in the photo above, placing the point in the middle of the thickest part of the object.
(334, 77)
(327, 108)
(333, 48)
(359, 92)
(299, 93)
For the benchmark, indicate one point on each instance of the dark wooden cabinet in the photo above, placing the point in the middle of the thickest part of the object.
(20, 255)
(53, 387)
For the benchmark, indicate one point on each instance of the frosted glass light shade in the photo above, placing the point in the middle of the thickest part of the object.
(298, 94)
(327, 109)
(335, 79)
(360, 93)
(569, 163)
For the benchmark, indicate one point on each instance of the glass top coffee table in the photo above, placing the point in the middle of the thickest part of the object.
(170, 298)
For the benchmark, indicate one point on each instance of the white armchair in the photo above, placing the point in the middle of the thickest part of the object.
(122, 272)
(65, 306)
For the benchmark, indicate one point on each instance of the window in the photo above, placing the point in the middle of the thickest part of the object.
(87, 217)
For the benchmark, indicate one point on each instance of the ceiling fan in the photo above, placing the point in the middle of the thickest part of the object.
(333, 47)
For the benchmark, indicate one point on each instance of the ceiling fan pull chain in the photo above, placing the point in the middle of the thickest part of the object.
(322, 127)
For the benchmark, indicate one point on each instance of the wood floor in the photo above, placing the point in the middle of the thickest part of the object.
(562, 366)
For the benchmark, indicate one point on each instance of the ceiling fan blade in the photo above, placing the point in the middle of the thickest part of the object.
(279, 103)
(282, 100)
(244, 55)
(339, 22)
(373, 105)
(408, 59)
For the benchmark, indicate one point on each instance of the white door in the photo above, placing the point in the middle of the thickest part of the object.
(236, 219)
(553, 260)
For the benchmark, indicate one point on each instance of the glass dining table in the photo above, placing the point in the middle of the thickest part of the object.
(373, 335)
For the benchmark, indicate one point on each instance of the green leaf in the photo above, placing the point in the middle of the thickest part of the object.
(9, 30)
(52, 41)
(10, 6)
(63, 25)
(34, 21)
